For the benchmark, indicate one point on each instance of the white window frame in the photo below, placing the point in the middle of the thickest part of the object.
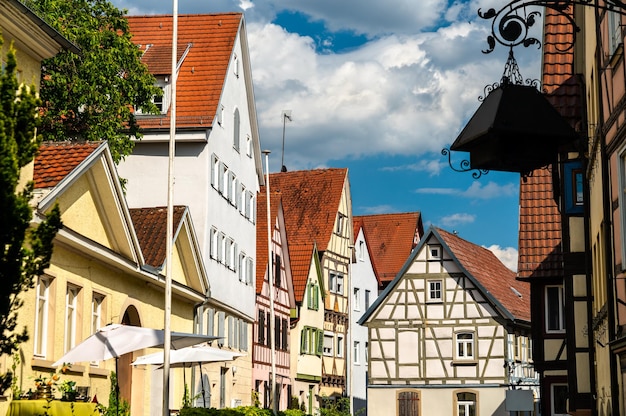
(340, 221)
(71, 309)
(330, 338)
(249, 270)
(434, 252)
(561, 310)
(213, 235)
(357, 353)
(336, 280)
(339, 346)
(361, 253)
(356, 299)
(97, 300)
(367, 299)
(221, 246)
(469, 406)
(432, 292)
(42, 316)
(465, 347)
(614, 32)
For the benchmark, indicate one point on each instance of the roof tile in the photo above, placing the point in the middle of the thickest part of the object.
(150, 226)
(56, 160)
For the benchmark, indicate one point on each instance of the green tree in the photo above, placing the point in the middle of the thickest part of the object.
(92, 95)
(26, 250)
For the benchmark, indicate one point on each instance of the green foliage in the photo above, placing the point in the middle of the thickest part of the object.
(117, 405)
(25, 251)
(294, 412)
(330, 407)
(92, 95)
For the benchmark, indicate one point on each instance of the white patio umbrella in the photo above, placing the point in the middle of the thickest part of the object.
(196, 354)
(115, 340)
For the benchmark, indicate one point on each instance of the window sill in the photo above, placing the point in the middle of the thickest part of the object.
(461, 363)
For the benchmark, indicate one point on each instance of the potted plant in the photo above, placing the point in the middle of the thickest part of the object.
(44, 385)
(68, 388)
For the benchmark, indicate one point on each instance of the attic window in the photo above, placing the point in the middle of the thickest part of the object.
(434, 252)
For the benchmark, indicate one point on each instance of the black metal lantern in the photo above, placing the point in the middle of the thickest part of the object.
(515, 129)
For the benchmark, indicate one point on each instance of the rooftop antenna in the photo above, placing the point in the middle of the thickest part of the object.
(286, 115)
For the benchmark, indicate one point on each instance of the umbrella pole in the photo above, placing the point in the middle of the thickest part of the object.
(117, 387)
(202, 381)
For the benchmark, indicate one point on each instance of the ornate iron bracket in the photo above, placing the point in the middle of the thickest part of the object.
(464, 166)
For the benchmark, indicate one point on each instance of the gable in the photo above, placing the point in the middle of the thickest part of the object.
(88, 193)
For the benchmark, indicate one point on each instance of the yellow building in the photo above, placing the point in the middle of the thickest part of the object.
(103, 271)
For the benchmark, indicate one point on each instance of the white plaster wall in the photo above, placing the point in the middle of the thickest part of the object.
(146, 172)
(361, 276)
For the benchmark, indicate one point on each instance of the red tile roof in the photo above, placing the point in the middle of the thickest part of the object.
(311, 202)
(494, 276)
(540, 233)
(56, 160)
(390, 239)
(300, 256)
(202, 74)
(261, 232)
(150, 226)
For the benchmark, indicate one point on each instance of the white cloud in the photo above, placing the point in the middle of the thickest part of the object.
(457, 219)
(507, 255)
(433, 167)
(378, 209)
(489, 191)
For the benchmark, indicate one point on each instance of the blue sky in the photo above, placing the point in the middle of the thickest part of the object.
(380, 88)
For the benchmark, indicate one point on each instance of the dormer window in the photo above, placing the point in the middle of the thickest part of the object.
(162, 102)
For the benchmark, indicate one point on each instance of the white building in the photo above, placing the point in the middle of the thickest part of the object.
(217, 169)
(450, 335)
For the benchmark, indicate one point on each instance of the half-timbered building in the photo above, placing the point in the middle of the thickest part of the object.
(318, 209)
(274, 301)
(382, 243)
(450, 334)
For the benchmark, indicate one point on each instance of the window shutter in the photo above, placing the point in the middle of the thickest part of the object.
(261, 329)
(277, 332)
(285, 334)
(320, 342)
(316, 297)
(231, 331)
(303, 340)
(220, 328)
(268, 340)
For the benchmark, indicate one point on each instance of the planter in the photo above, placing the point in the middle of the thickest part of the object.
(44, 392)
(69, 396)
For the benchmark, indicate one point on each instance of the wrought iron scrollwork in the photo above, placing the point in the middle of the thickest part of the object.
(464, 166)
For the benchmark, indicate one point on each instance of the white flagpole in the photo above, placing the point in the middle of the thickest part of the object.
(170, 219)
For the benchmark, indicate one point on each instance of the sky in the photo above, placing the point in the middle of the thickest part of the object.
(380, 88)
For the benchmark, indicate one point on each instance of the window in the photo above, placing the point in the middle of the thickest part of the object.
(231, 188)
(236, 127)
(340, 221)
(248, 146)
(261, 328)
(236, 65)
(277, 332)
(558, 399)
(466, 404)
(434, 252)
(224, 180)
(243, 335)
(285, 335)
(336, 282)
(242, 267)
(614, 30)
(328, 344)
(339, 345)
(159, 101)
(408, 403)
(361, 253)
(221, 246)
(249, 270)
(356, 299)
(573, 177)
(555, 316)
(365, 352)
(71, 306)
(41, 317)
(313, 296)
(434, 290)
(277, 269)
(215, 169)
(214, 243)
(96, 312)
(465, 345)
(356, 354)
(367, 299)
(220, 115)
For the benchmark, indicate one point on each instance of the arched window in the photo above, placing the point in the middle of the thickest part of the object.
(466, 404)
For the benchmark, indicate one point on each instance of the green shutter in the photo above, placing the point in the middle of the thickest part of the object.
(316, 295)
(303, 341)
(320, 342)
